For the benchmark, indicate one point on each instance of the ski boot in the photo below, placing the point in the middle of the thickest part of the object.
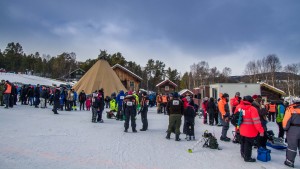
(168, 136)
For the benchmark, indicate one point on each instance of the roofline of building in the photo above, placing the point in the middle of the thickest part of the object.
(130, 72)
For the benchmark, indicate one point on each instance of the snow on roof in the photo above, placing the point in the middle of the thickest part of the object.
(165, 81)
(29, 79)
(130, 72)
(185, 90)
(272, 88)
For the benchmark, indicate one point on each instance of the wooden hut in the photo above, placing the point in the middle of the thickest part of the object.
(130, 80)
(186, 92)
(166, 87)
(271, 93)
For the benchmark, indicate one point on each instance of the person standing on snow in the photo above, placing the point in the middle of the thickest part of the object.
(225, 114)
(212, 110)
(291, 123)
(249, 128)
(144, 111)
(119, 99)
(235, 101)
(130, 112)
(279, 118)
(56, 99)
(204, 108)
(175, 111)
(82, 99)
(189, 119)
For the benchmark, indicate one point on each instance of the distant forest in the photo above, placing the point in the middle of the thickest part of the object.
(268, 69)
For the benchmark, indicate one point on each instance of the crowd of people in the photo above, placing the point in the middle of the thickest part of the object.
(250, 115)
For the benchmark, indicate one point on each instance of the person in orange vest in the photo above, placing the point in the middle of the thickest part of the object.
(6, 93)
(225, 114)
(249, 128)
(291, 123)
(164, 103)
(272, 112)
(158, 103)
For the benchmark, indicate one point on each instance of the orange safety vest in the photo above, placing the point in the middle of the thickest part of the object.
(164, 99)
(288, 120)
(8, 89)
(272, 108)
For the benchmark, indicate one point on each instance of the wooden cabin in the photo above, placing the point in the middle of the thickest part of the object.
(200, 93)
(76, 74)
(166, 87)
(186, 92)
(271, 93)
(130, 80)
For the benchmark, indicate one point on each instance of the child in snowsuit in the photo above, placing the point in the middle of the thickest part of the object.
(88, 103)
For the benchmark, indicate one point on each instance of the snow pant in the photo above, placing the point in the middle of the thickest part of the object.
(82, 105)
(119, 112)
(271, 116)
(184, 126)
(174, 121)
(99, 112)
(6, 99)
(246, 147)
(190, 128)
(224, 128)
(144, 119)
(281, 130)
(293, 140)
(31, 101)
(158, 108)
(130, 113)
(11, 100)
(56, 105)
(42, 102)
(69, 105)
(36, 101)
(204, 117)
(211, 115)
(94, 114)
(163, 108)
(216, 117)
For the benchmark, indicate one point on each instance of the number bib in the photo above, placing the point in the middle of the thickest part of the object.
(175, 102)
(129, 103)
(122, 97)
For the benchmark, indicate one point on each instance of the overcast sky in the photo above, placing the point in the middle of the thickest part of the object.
(225, 33)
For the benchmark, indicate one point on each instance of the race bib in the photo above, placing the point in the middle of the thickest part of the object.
(175, 102)
(129, 103)
(122, 97)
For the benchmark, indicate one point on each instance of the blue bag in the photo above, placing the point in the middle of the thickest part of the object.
(263, 154)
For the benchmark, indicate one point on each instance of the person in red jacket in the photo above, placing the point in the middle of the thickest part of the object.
(249, 128)
(235, 101)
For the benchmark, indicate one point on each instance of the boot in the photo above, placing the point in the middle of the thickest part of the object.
(289, 163)
(168, 136)
(177, 137)
(134, 130)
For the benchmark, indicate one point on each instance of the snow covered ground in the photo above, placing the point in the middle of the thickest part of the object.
(29, 79)
(36, 138)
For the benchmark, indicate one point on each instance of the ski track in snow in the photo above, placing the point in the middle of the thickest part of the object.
(36, 138)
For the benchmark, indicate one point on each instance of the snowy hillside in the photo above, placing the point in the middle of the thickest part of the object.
(36, 138)
(29, 79)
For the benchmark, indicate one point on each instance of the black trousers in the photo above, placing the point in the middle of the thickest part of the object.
(82, 105)
(144, 119)
(190, 128)
(130, 114)
(246, 147)
(271, 116)
(281, 130)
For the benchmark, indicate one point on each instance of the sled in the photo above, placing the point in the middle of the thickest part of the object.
(277, 143)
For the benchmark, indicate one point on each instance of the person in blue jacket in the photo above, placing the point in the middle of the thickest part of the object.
(119, 99)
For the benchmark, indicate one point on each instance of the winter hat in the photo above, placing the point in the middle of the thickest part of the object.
(254, 96)
(129, 93)
(175, 95)
(248, 98)
(237, 93)
(225, 95)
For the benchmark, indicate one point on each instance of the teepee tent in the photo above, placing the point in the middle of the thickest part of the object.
(100, 75)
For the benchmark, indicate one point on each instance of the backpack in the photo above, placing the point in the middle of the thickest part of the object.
(237, 118)
(210, 141)
(213, 142)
